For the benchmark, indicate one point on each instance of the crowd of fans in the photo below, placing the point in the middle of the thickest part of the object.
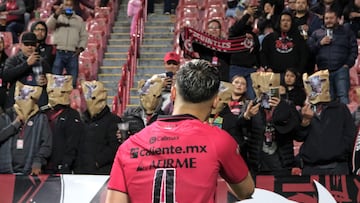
(291, 85)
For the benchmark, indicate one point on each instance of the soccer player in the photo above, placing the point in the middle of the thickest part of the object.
(178, 158)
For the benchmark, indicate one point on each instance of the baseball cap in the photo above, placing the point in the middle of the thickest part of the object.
(171, 56)
(28, 37)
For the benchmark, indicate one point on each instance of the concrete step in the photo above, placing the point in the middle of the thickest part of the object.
(114, 61)
(148, 28)
(110, 69)
(151, 21)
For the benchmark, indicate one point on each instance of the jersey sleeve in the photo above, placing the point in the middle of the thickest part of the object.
(233, 168)
(117, 177)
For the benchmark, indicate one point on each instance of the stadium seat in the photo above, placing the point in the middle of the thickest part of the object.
(99, 38)
(87, 64)
(12, 50)
(96, 50)
(105, 12)
(189, 22)
(8, 40)
(99, 24)
(187, 12)
(214, 12)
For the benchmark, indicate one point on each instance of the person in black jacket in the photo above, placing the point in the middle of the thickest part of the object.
(3, 57)
(294, 89)
(245, 62)
(284, 48)
(65, 124)
(327, 130)
(46, 51)
(28, 67)
(98, 143)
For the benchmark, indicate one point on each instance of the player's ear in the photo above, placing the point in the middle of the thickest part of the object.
(215, 101)
(173, 93)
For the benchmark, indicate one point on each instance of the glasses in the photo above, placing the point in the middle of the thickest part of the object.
(172, 63)
(29, 44)
(40, 29)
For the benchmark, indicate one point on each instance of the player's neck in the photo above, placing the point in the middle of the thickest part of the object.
(197, 110)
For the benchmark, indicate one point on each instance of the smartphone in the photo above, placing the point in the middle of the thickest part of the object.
(274, 92)
(169, 74)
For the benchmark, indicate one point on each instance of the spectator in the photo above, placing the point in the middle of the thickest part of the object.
(197, 85)
(270, 143)
(14, 11)
(306, 22)
(80, 10)
(98, 143)
(70, 40)
(322, 5)
(65, 125)
(28, 67)
(352, 16)
(268, 16)
(150, 7)
(170, 6)
(172, 65)
(3, 57)
(46, 51)
(294, 91)
(336, 50)
(245, 62)
(284, 48)
(216, 58)
(133, 8)
(223, 117)
(327, 130)
(30, 5)
(26, 149)
(291, 6)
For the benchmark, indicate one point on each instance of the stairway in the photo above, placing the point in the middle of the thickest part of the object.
(158, 39)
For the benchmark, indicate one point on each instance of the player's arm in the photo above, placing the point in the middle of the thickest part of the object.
(244, 189)
(114, 196)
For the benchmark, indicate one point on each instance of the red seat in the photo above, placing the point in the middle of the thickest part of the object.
(12, 50)
(96, 50)
(214, 12)
(87, 64)
(8, 40)
(99, 24)
(189, 22)
(105, 12)
(185, 12)
(97, 37)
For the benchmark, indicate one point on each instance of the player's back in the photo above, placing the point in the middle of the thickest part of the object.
(178, 159)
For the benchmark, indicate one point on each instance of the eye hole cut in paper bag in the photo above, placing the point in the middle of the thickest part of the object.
(317, 86)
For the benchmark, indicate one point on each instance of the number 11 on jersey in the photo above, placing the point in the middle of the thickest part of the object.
(164, 186)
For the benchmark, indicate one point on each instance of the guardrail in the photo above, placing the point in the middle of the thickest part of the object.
(126, 81)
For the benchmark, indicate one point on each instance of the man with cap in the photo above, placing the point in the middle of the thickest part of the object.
(172, 65)
(28, 67)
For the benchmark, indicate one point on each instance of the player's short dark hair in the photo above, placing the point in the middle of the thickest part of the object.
(197, 81)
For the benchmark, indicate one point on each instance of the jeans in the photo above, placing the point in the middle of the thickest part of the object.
(15, 28)
(245, 72)
(340, 84)
(67, 60)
